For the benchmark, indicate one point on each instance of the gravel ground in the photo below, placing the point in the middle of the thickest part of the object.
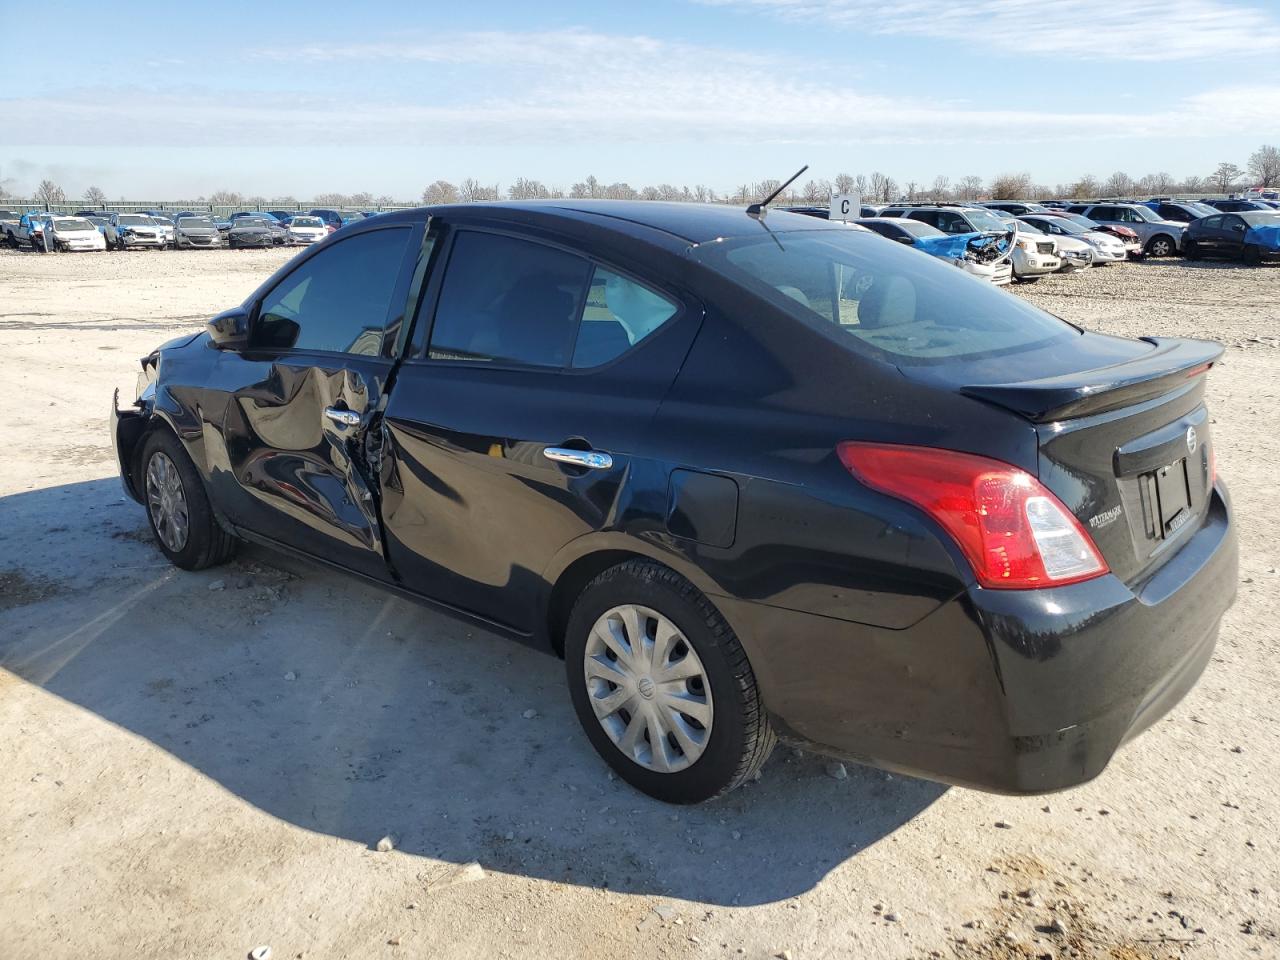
(194, 765)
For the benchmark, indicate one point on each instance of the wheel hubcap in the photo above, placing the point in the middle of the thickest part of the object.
(167, 502)
(648, 688)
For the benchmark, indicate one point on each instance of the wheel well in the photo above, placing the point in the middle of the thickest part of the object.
(569, 587)
(154, 423)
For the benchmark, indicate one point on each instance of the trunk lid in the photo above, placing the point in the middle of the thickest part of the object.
(1125, 446)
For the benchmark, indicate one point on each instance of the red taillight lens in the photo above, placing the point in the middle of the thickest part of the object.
(1011, 528)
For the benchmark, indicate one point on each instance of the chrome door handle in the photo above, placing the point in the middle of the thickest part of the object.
(592, 459)
(344, 418)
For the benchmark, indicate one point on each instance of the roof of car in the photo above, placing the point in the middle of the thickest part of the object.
(693, 222)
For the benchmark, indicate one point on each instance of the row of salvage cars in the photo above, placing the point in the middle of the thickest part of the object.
(91, 230)
(1021, 241)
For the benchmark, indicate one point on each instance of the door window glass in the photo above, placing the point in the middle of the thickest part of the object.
(338, 300)
(508, 300)
(619, 313)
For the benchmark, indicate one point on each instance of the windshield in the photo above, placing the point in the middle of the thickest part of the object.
(72, 223)
(306, 222)
(984, 221)
(165, 221)
(135, 220)
(1259, 218)
(1200, 209)
(1145, 213)
(1082, 220)
(1025, 227)
(250, 222)
(1063, 224)
(188, 223)
(918, 229)
(880, 298)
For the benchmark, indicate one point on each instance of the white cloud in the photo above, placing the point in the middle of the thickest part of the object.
(1132, 30)
(578, 87)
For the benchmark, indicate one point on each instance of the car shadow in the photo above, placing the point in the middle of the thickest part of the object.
(345, 710)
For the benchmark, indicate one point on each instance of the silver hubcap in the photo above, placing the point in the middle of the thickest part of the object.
(648, 688)
(167, 502)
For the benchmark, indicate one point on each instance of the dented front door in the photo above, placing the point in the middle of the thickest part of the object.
(298, 446)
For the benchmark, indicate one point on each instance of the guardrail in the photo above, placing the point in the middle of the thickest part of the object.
(131, 206)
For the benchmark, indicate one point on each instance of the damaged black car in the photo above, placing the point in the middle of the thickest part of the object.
(751, 474)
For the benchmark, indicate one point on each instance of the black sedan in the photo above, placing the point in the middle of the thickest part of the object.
(752, 476)
(251, 231)
(1251, 236)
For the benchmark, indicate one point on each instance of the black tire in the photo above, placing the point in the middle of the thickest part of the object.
(206, 544)
(1191, 250)
(1161, 245)
(741, 737)
(1251, 254)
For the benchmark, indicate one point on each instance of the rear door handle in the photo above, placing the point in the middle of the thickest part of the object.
(592, 459)
(342, 417)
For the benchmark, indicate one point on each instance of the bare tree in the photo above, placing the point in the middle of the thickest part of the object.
(969, 188)
(941, 187)
(1225, 176)
(1264, 166)
(1155, 183)
(1193, 184)
(225, 197)
(472, 190)
(1086, 186)
(94, 197)
(860, 186)
(524, 189)
(385, 199)
(882, 187)
(911, 188)
(816, 191)
(440, 191)
(844, 183)
(50, 192)
(1011, 186)
(1119, 184)
(621, 191)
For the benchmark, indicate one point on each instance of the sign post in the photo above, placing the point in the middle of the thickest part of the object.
(845, 206)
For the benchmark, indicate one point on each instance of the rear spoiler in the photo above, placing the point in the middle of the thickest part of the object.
(1160, 371)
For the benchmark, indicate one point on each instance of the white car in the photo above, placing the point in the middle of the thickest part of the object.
(167, 231)
(1034, 253)
(1107, 247)
(306, 230)
(75, 233)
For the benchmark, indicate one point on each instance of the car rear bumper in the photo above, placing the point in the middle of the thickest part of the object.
(1004, 690)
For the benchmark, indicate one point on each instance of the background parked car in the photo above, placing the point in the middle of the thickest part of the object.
(1107, 248)
(304, 229)
(1073, 253)
(252, 231)
(165, 223)
(284, 216)
(1236, 205)
(72, 234)
(30, 230)
(1035, 254)
(103, 223)
(1132, 242)
(1016, 207)
(9, 220)
(1180, 211)
(136, 230)
(332, 218)
(194, 231)
(983, 255)
(951, 218)
(1250, 235)
(900, 229)
(1160, 238)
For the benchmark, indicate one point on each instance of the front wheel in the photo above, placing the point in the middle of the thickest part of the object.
(1251, 254)
(1162, 246)
(178, 508)
(1191, 250)
(662, 685)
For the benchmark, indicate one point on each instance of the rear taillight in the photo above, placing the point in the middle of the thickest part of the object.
(1014, 532)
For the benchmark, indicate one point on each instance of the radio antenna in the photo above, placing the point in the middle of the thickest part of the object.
(757, 209)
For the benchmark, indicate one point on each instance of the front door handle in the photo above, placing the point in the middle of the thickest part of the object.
(592, 459)
(342, 416)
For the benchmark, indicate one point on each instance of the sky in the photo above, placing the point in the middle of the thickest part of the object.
(276, 98)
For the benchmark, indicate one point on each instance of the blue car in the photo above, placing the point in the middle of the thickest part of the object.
(983, 255)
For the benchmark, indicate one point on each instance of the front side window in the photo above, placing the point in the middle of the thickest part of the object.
(338, 301)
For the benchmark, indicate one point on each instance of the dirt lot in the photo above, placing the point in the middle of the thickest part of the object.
(193, 765)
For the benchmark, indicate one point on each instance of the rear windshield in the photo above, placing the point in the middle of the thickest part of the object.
(1260, 218)
(306, 222)
(883, 298)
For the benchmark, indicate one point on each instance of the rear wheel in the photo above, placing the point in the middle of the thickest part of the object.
(178, 508)
(662, 685)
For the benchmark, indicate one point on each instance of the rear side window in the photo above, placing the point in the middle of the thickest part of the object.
(881, 298)
(515, 301)
(338, 300)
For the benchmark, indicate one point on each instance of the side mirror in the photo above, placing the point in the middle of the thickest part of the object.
(229, 330)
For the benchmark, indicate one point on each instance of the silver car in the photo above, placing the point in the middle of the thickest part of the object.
(1107, 248)
(136, 230)
(193, 232)
(1160, 238)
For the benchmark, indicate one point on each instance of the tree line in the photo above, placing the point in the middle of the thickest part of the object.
(1261, 169)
